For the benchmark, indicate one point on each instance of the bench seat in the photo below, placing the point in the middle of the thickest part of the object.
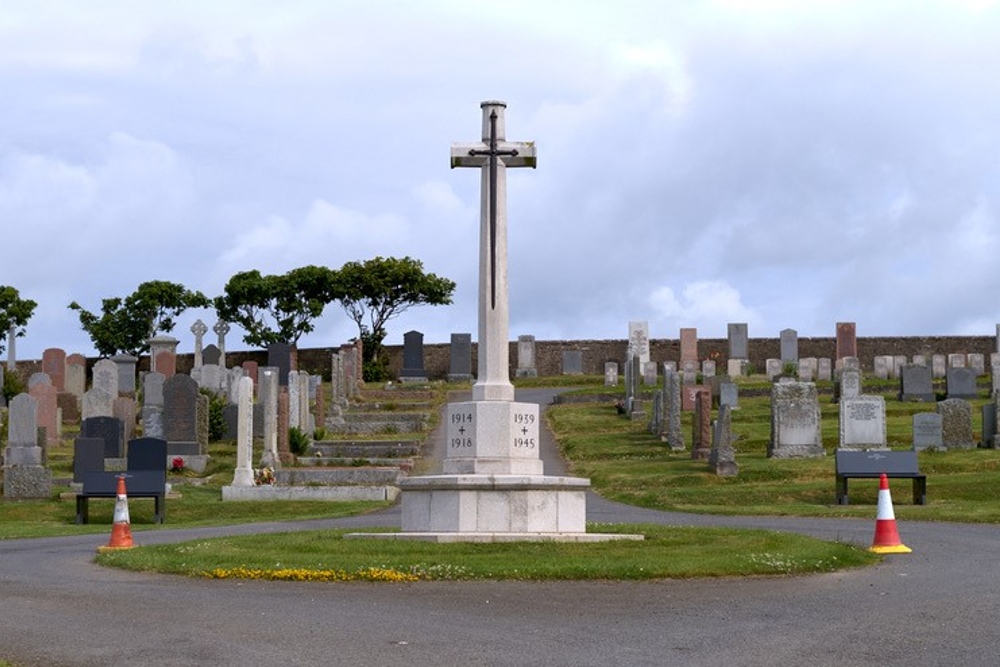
(875, 463)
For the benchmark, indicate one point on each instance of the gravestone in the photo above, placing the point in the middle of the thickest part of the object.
(795, 421)
(850, 383)
(199, 329)
(108, 429)
(211, 356)
(689, 395)
(525, 357)
(460, 366)
(722, 458)
(11, 348)
(939, 366)
(707, 369)
(54, 365)
(88, 456)
(672, 410)
(221, 328)
(152, 404)
(638, 341)
(701, 426)
(824, 370)
(76, 375)
(125, 365)
(807, 369)
(957, 360)
(898, 364)
(862, 423)
(789, 340)
(961, 383)
(69, 407)
(729, 395)
(146, 454)
(989, 420)
(847, 340)
(772, 367)
(649, 376)
(739, 342)
(180, 416)
(927, 431)
(279, 355)
(610, 374)
(294, 401)
(916, 384)
(243, 475)
(24, 476)
(268, 399)
(977, 363)
(572, 362)
(47, 412)
(882, 367)
(737, 367)
(338, 383)
(689, 372)
(689, 345)
(956, 424)
(163, 355)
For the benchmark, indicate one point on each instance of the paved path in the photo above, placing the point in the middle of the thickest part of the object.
(937, 606)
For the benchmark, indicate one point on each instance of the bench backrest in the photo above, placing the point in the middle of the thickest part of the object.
(877, 462)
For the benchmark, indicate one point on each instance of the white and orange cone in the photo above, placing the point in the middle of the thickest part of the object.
(121, 532)
(886, 535)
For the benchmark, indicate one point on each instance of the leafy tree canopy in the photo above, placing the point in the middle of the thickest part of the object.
(278, 309)
(126, 325)
(379, 289)
(14, 312)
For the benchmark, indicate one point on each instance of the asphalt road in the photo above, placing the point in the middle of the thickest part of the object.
(939, 605)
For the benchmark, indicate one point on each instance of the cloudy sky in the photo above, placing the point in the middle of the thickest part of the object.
(780, 163)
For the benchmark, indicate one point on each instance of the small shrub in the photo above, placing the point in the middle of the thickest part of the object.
(216, 418)
(298, 441)
(13, 384)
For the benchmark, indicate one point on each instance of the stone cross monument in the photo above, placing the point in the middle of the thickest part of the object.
(493, 487)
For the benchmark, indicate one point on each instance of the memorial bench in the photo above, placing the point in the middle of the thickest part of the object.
(138, 484)
(873, 464)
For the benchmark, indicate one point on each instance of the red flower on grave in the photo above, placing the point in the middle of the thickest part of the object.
(177, 465)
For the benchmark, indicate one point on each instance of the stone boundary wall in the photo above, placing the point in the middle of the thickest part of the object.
(548, 353)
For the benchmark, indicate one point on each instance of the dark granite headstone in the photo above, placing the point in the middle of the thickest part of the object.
(147, 454)
(413, 357)
(916, 384)
(738, 340)
(460, 369)
(572, 362)
(88, 456)
(108, 429)
(210, 355)
(961, 383)
(279, 355)
(180, 412)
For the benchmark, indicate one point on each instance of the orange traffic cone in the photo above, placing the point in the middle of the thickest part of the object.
(886, 536)
(121, 533)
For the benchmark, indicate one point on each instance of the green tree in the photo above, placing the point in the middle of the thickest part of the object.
(14, 312)
(126, 325)
(278, 309)
(379, 289)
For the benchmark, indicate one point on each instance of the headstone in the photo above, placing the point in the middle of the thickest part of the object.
(413, 358)
(268, 398)
(199, 329)
(24, 476)
(956, 423)
(108, 429)
(69, 407)
(47, 412)
(916, 384)
(572, 362)
(789, 346)
(722, 458)
(824, 369)
(635, 407)
(88, 456)
(795, 421)
(460, 367)
(649, 375)
(211, 355)
(847, 340)
(898, 364)
(729, 395)
(125, 367)
(962, 383)
(672, 410)
(938, 366)
(739, 342)
(76, 375)
(54, 365)
(976, 363)
(305, 417)
(689, 344)
(525, 357)
(279, 355)
(11, 348)
(294, 401)
(773, 368)
(919, 360)
(689, 395)
(221, 328)
(337, 381)
(152, 404)
(956, 360)
(807, 369)
(610, 374)
(180, 416)
(243, 475)
(146, 454)
(989, 415)
(850, 383)
(927, 431)
(882, 367)
(638, 341)
(701, 426)
(862, 422)
(737, 367)
(163, 355)
(250, 369)
(707, 369)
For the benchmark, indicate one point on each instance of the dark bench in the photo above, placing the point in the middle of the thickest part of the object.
(138, 484)
(873, 464)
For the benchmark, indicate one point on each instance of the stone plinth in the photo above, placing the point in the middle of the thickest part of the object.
(492, 438)
(26, 481)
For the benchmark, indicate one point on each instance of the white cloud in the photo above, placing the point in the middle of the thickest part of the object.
(708, 305)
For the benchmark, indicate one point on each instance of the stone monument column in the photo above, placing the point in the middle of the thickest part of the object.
(221, 328)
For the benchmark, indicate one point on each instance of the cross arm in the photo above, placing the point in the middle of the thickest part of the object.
(526, 155)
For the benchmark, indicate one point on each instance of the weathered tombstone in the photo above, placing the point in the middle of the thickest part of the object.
(54, 365)
(737, 367)
(739, 341)
(862, 422)
(795, 421)
(250, 369)
(824, 369)
(638, 341)
(47, 411)
(729, 395)
(69, 407)
(670, 365)
(989, 414)
(927, 431)
(898, 364)
(108, 429)
(268, 398)
(126, 366)
(279, 355)
(976, 363)
(689, 345)
(919, 360)
(789, 341)
(938, 365)
(649, 376)
(76, 374)
(961, 383)
(689, 395)
(722, 458)
(294, 401)
(634, 406)
(689, 372)
(849, 384)
(847, 340)
(88, 456)
(957, 360)
(956, 423)
(610, 374)
(707, 369)
(211, 356)
(11, 348)
(572, 362)
(672, 410)
(337, 380)
(460, 366)
(123, 409)
(210, 377)
(152, 404)
(163, 355)
(24, 476)
(525, 357)
(807, 369)
(773, 368)
(305, 416)
(701, 426)
(199, 329)
(916, 384)
(882, 367)
(243, 475)
(180, 416)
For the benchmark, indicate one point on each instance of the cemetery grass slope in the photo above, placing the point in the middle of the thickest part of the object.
(667, 552)
(626, 463)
